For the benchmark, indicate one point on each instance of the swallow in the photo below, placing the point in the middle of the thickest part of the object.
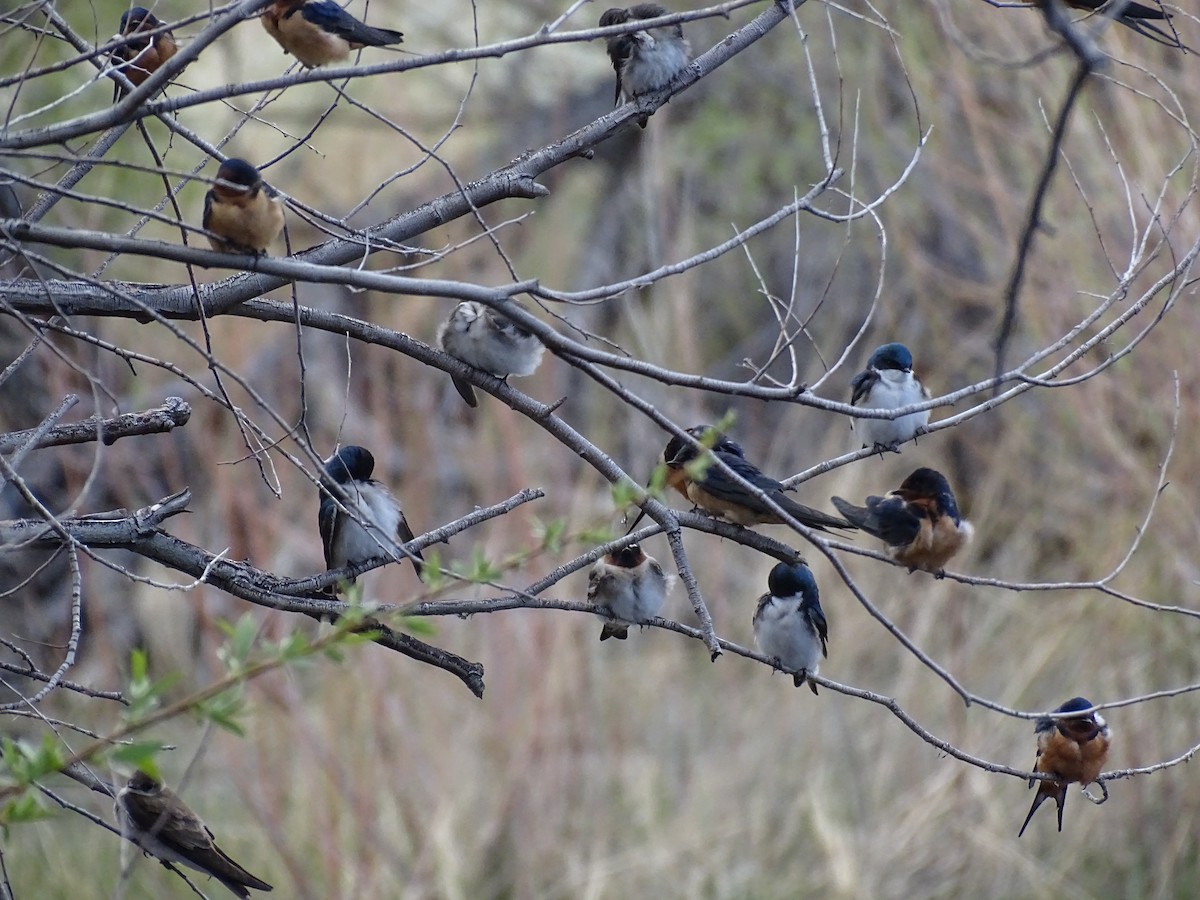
(487, 340)
(919, 521)
(1134, 16)
(717, 493)
(242, 213)
(789, 624)
(633, 587)
(1069, 749)
(372, 525)
(155, 819)
(888, 383)
(319, 32)
(645, 61)
(139, 57)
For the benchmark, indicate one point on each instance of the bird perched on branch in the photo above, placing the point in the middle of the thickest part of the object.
(694, 474)
(372, 524)
(888, 382)
(155, 819)
(789, 624)
(487, 340)
(919, 521)
(242, 213)
(146, 49)
(633, 587)
(645, 60)
(1135, 16)
(319, 32)
(1071, 750)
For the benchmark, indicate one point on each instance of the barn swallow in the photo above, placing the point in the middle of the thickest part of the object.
(919, 521)
(633, 587)
(1069, 749)
(888, 383)
(487, 340)
(647, 60)
(242, 214)
(789, 624)
(373, 523)
(319, 32)
(155, 819)
(1133, 16)
(720, 495)
(139, 57)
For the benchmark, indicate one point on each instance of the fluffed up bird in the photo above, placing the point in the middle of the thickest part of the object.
(487, 340)
(789, 624)
(319, 32)
(140, 56)
(1134, 16)
(242, 214)
(919, 521)
(633, 587)
(646, 60)
(713, 490)
(888, 382)
(1072, 750)
(154, 818)
(372, 525)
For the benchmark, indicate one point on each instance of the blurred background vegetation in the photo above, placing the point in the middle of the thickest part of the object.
(643, 769)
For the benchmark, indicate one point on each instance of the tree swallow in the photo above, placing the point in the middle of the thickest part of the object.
(645, 61)
(242, 214)
(715, 492)
(1069, 749)
(319, 32)
(487, 340)
(376, 524)
(155, 819)
(888, 383)
(140, 57)
(789, 625)
(633, 587)
(919, 521)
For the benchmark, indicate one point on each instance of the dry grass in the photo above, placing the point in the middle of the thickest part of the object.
(643, 770)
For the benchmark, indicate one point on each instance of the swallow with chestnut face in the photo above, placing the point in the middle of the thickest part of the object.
(919, 521)
(153, 817)
(632, 585)
(696, 474)
(242, 214)
(369, 524)
(645, 61)
(487, 340)
(789, 624)
(319, 32)
(888, 382)
(146, 48)
(1072, 750)
(1134, 16)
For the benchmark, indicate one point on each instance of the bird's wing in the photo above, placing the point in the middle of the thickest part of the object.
(861, 384)
(328, 16)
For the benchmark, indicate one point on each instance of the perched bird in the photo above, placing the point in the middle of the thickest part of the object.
(242, 214)
(789, 624)
(717, 493)
(155, 819)
(319, 32)
(646, 60)
(138, 58)
(888, 383)
(1070, 750)
(487, 340)
(633, 587)
(919, 521)
(373, 524)
(1134, 16)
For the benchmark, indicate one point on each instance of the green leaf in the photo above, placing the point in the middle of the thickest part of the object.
(141, 755)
